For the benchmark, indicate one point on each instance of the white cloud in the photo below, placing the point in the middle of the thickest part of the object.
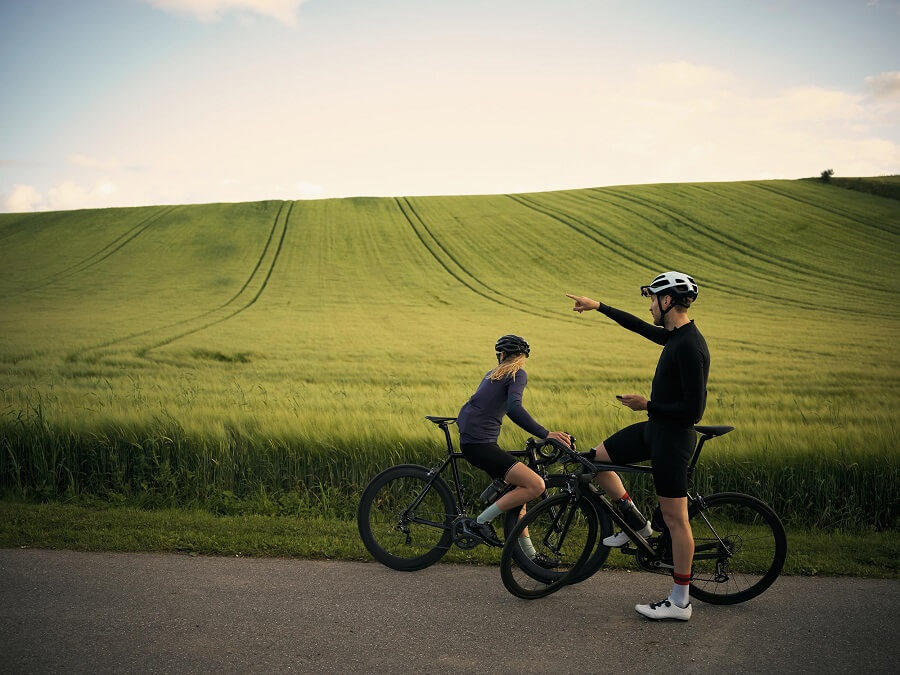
(305, 190)
(679, 122)
(682, 75)
(88, 162)
(23, 198)
(71, 195)
(884, 86)
(673, 122)
(284, 11)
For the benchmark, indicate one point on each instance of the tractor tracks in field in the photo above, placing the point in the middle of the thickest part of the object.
(832, 211)
(586, 230)
(730, 243)
(258, 279)
(240, 309)
(762, 254)
(722, 239)
(634, 256)
(463, 275)
(110, 249)
(845, 279)
(737, 246)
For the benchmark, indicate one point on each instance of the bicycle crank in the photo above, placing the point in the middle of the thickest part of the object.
(462, 538)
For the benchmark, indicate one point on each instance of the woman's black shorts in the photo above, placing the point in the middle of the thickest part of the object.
(669, 449)
(488, 456)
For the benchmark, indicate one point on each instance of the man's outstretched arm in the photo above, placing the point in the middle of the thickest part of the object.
(656, 334)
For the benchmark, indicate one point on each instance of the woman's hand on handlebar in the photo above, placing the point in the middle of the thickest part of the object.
(583, 303)
(562, 437)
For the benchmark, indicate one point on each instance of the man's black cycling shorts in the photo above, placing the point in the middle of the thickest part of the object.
(488, 456)
(669, 449)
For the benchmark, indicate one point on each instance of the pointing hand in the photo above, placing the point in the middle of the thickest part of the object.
(583, 303)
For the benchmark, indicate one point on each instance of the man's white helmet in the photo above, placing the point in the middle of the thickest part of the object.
(676, 284)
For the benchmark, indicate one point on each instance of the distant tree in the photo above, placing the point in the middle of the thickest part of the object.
(826, 175)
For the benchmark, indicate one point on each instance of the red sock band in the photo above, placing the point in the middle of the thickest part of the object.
(624, 497)
(681, 579)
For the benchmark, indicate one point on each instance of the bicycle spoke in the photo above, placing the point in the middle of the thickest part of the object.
(739, 548)
(404, 519)
(562, 533)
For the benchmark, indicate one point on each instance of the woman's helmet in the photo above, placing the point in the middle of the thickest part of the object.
(512, 344)
(679, 286)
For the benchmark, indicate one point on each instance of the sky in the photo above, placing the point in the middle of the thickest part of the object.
(134, 102)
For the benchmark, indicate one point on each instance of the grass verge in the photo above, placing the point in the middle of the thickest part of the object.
(62, 526)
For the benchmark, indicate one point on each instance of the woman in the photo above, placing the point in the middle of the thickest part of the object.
(479, 420)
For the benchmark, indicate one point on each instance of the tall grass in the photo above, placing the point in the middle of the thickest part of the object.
(160, 464)
(272, 357)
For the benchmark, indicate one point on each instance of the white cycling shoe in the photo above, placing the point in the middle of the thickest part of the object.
(620, 539)
(664, 609)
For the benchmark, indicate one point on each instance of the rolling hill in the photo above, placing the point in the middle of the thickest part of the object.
(329, 328)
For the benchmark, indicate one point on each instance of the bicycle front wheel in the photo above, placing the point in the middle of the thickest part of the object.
(404, 517)
(598, 558)
(562, 531)
(739, 548)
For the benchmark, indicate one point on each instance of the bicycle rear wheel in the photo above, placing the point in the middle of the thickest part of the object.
(739, 548)
(562, 531)
(404, 522)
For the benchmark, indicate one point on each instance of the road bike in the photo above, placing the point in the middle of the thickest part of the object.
(740, 543)
(409, 516)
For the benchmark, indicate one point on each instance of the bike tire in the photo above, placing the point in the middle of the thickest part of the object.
(600, 553)
(553, 483)
(561, 527)
(739, 548)
(395, 537)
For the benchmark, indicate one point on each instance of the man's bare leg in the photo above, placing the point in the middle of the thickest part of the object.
(608, 481)
(612, 485)
(675, 513)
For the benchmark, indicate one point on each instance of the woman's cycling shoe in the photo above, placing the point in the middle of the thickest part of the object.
(664, 609)
(545, 561)
(484, 531)
(620, 539)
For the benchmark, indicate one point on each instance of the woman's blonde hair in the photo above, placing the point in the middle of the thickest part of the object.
(508, 366)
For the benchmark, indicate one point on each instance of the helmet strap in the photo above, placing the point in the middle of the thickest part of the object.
(662, 311)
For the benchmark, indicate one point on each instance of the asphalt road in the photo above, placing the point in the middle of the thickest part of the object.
(64, 611)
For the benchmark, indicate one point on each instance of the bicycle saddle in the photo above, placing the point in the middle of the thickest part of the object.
(714, 431)
(440, 420)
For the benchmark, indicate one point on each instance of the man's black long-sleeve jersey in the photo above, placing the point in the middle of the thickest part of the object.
(678, 394)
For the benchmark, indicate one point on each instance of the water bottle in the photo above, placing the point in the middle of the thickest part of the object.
(630, 513)
(492, 491)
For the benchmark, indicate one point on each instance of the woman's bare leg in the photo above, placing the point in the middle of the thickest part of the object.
(528, 486)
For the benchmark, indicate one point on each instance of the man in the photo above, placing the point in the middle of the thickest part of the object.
(667, 438)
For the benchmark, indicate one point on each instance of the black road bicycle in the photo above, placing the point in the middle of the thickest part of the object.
(740, 543)
(409, 517)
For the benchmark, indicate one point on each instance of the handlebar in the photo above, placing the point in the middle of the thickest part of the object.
(560, 450)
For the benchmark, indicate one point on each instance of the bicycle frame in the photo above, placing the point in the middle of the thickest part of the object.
(451, 459)
(585, 479)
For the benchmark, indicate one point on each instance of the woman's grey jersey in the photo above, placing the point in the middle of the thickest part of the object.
(480, 417)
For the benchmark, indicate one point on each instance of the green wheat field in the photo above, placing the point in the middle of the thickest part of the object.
(271, 357)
